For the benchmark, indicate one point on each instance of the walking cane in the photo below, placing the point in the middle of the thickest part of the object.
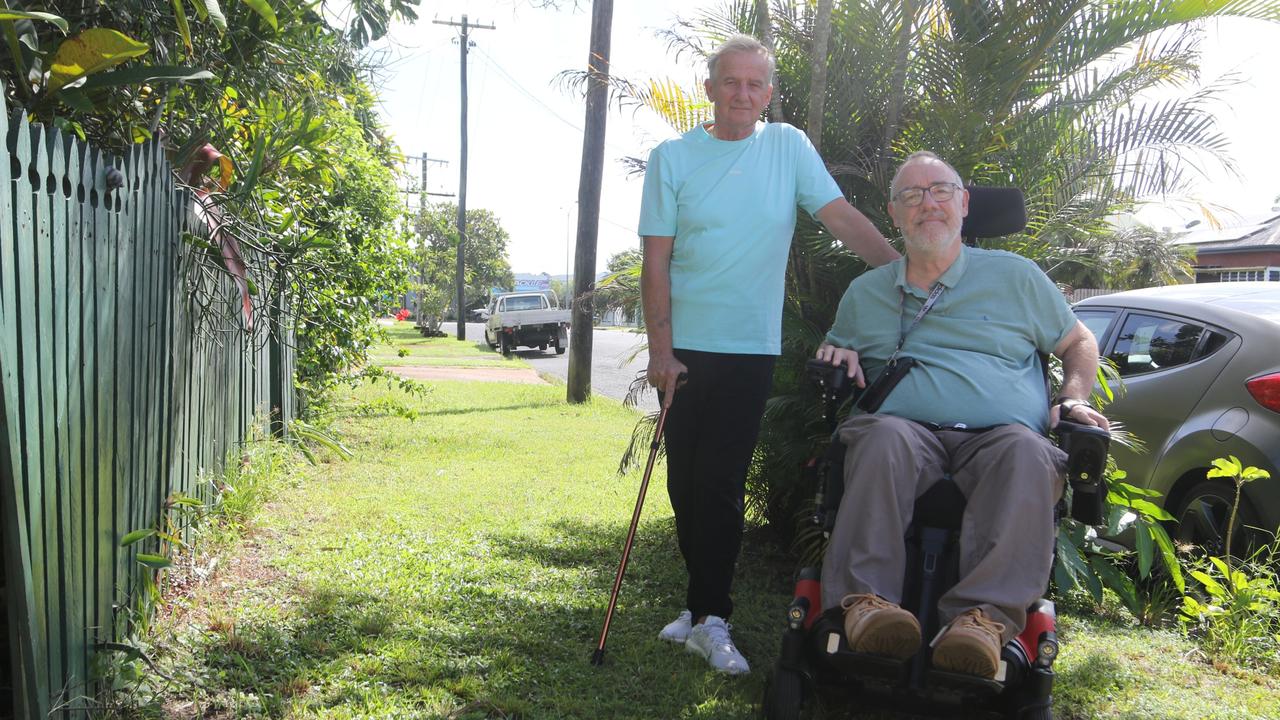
(597, 658)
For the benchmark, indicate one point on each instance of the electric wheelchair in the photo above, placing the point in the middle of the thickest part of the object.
(816, 666)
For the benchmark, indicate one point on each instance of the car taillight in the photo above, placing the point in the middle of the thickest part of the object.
(1266, 390)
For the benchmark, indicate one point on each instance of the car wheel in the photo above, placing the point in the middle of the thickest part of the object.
(505, 342)
(1202, 520)
(542, 347)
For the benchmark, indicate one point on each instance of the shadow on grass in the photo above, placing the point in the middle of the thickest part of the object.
(1076, 690)
(489, 644)
(492, 408)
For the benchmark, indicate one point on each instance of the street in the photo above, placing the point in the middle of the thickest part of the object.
(612, 368)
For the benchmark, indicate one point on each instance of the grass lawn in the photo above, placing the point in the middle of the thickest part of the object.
(408, 347)
(459, 567)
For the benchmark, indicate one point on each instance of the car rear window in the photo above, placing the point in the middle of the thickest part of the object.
(1147, 343)
(1097, 321)
(533, 302)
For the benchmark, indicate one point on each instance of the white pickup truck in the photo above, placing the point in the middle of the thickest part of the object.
(526, 318)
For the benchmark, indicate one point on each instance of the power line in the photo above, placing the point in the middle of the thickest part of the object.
(516, 84)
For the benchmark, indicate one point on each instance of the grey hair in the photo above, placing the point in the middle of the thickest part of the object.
(922, 155)
(740, 44)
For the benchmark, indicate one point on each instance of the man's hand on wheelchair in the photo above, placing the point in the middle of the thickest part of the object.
(1082, 413)
(843, 356)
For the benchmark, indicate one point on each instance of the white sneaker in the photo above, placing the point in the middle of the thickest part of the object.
(711, 640)
(677, 631)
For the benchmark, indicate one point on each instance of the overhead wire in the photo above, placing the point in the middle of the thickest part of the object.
(520, 88)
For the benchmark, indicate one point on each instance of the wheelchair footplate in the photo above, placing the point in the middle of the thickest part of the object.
(877, 671)
(883, 680)
(966, 686)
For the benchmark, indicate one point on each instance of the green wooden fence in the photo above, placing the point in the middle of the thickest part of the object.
(116, 393)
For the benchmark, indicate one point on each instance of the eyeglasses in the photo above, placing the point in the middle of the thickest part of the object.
(939, 191)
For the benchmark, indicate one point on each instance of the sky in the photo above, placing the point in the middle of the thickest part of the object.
(525, 130)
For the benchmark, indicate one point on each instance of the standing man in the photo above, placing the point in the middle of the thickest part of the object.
(717, 217)
(973, 405)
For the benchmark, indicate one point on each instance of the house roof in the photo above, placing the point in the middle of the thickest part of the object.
(1259, 234)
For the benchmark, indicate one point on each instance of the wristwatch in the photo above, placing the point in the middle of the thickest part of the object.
(1066, 405)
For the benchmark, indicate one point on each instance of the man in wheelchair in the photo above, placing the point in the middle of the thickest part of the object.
(953, 337)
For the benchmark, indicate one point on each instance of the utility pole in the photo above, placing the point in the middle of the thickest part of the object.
(422, 205)
(584, 271)
(421, 191)
(422, 197)
(464, 39)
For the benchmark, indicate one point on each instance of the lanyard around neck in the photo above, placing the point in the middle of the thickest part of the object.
(934, 294)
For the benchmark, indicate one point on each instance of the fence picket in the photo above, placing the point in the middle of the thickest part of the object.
(116, 390)
(85, 415)
(22, 616)
(30, 422)
(105, 441)
(67, 346)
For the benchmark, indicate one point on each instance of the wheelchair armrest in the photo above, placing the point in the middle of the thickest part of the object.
(1086, 447)
(832, 380)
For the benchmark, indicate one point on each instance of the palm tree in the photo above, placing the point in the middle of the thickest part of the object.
(1052, 96)
(1132, 257)
(1046, 95)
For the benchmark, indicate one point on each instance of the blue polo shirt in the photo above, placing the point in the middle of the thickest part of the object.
(977, 349)
(731, 207)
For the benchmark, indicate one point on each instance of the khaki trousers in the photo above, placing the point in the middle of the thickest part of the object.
(1011, 476)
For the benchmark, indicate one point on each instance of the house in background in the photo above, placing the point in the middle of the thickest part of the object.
(1249, 251)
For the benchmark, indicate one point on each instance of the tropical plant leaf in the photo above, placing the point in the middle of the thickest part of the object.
(1228, 467)
(184, 27)
(135, 536)
(213, 11)
(144, 74)
(1118, 582)
(76, 99)
(264, 10)
(1145, 546)
(92, 51)
(1169, 555)
(58, 21)
(1072, 568)
(156, 562)
(1210, 583)
(306, 431)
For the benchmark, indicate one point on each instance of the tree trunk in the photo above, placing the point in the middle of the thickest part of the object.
(897, 90)
(764, 25)
(584, 267)
(818, 74)
(803, 266)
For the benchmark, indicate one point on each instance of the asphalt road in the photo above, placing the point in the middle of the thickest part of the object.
(611, 369)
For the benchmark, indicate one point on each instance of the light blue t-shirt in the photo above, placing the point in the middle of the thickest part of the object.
(977, 349)
(731, 206)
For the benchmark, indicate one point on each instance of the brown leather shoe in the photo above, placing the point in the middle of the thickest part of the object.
(969, 645)
(876, 626)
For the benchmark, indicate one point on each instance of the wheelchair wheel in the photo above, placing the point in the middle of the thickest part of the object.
(1039, 713)
(784, 695)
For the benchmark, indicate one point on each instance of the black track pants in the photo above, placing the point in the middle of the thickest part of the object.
(710, 435)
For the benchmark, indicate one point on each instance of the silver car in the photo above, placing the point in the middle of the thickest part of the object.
(1201, 371)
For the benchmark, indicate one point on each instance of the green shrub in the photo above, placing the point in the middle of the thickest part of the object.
(1235, 613)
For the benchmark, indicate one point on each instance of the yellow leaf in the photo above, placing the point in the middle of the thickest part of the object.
(224, 164)
(93, 50)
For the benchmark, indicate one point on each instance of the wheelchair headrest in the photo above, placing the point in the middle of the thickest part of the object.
(993, 212)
